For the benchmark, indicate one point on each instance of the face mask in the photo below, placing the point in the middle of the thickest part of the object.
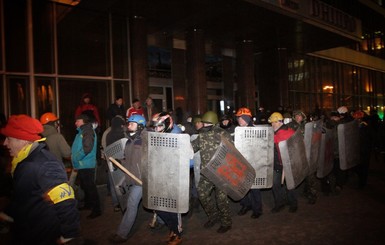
(286, 120)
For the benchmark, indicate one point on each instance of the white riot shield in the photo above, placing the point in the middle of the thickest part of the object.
(230, 171)
(326, 159)
(197, 162)
(348, 144)
(166, 171)
(117, 177)
(294, 160)
(312, 139)
(256, 144)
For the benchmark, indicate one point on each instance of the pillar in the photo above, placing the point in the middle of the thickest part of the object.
(196, 73)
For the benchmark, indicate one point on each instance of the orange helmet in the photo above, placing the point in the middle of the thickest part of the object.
(243, 111)
(48, 117)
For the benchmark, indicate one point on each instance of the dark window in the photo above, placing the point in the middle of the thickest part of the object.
(83, 42)
(16, 35)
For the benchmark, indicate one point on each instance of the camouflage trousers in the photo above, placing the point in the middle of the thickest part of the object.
(217, 207)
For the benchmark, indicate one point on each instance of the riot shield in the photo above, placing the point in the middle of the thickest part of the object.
(197, 162)
(230, 171)
(312, 139)
(294, 160)
(256, 144)
(117, 177)
(166, 171)
(325, 163)
(348, 144)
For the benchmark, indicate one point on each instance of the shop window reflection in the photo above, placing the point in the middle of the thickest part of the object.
(18, 95)
(45, 96)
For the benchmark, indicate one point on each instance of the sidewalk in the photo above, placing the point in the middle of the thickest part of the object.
(353, 217)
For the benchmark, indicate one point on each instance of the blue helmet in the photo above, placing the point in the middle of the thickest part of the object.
(139, 119)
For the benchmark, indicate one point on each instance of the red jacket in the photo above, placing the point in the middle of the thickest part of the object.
(282, 134)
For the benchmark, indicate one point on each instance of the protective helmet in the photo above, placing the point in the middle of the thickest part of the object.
(243, 111)
(197, 118)
(275, 117)
(299, 112)
(342, 110)
(358, 114)
(210, 117)
(48, 117)
(163, 119)
(139, 119)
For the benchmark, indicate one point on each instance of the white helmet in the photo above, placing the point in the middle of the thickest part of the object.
(342, 110)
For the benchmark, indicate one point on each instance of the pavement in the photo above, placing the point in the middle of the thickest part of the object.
(355, 216)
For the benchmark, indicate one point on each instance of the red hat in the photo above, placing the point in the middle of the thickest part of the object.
(23, 127)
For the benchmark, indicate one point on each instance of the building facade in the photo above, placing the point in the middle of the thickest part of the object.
(192, 55)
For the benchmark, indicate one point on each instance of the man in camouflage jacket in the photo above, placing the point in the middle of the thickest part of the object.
(209, 139)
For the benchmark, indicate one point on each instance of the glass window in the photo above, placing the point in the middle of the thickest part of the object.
(15, 41)
(2, 106)
(120, 48)
(122, 89)
(45, 96)
(18, 95)
(83, 42)
(70, 94)
(43, 36)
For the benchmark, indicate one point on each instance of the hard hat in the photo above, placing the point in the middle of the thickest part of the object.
(342, 110)
(358, 114)
(275, 117)
(210, 117)
(197, 118)
(299, 112)
(139, 119)
(48, 117)
(243, 111)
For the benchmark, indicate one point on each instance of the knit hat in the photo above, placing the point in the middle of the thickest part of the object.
(84, 117)
(23, 127)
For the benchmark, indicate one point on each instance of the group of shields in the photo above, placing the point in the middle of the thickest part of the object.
(236, 167)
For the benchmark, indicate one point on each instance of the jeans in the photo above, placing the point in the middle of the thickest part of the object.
(133, 199)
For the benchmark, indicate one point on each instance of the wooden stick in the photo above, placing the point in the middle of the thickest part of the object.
(125, 170)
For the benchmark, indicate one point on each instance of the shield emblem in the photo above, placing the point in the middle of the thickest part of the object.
(230, 171)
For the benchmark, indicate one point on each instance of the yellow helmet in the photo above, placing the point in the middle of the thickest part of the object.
(275, 117)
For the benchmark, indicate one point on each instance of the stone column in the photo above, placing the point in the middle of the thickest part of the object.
(179, 79)
(228, 81)
(196, 73)
(245, 78)
(139, 63)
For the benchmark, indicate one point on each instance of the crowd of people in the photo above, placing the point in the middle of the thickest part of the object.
(38, 201)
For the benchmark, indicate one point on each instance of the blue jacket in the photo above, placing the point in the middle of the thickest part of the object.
(84, 148)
